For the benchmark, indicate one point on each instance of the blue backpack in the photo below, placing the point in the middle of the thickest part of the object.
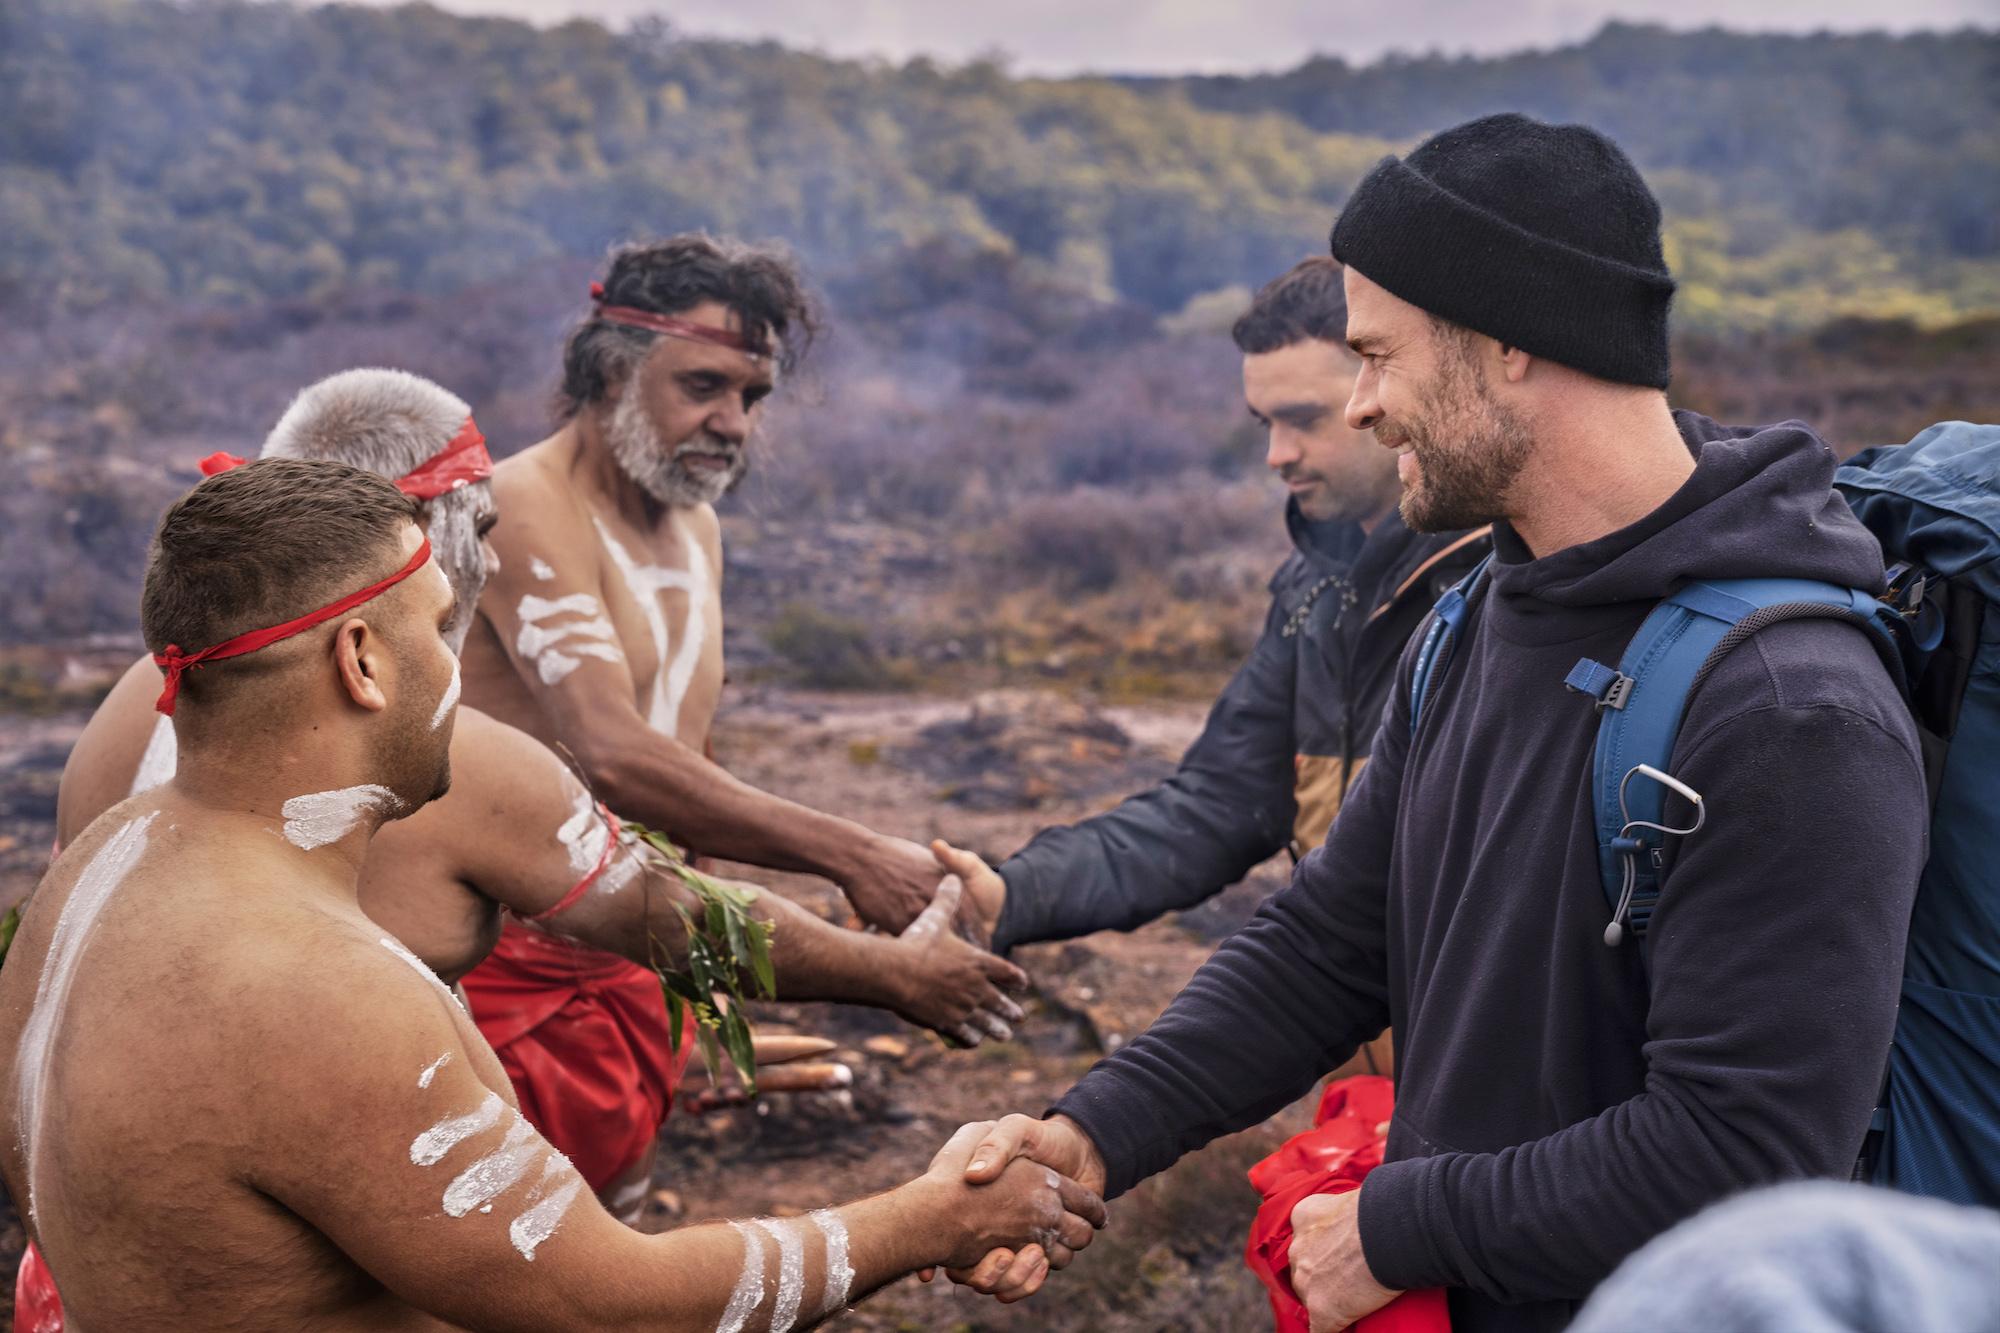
(1934, 504)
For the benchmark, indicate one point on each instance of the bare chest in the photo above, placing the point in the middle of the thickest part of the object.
(664, 602)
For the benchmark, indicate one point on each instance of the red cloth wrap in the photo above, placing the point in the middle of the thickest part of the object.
(37, 1307)
(583, 1036)
(174, 662)
(1343, 1146)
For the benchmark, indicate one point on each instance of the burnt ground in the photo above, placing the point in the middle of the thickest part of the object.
(984, 773)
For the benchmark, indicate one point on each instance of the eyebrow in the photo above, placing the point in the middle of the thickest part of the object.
(1365, 343)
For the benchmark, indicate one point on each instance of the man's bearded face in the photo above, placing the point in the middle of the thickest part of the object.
(1467, 448)
(696, 470)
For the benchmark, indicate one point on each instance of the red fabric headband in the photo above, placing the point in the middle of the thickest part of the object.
(175, 663)
(669, 325)
(462, 461)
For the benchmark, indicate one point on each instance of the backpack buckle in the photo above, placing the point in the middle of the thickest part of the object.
(1607, 687)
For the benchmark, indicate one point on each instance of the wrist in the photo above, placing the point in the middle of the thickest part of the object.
(846, 851)
(1091, 1172)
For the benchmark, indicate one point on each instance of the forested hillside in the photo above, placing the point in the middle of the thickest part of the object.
(225, 152)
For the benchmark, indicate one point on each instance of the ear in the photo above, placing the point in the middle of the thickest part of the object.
(360, 656)
(1514, 363)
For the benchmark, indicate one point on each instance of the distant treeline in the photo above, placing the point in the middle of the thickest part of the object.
(226, 152)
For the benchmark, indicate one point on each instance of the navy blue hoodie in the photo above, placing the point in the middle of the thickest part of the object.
(1559, 1103)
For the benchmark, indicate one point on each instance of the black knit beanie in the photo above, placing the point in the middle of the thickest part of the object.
(1542, 236)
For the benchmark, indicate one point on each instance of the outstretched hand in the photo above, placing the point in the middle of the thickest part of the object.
(892, 885)
(985, 891)
(953, 987)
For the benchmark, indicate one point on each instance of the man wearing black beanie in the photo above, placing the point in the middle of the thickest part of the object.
(1561, 1098)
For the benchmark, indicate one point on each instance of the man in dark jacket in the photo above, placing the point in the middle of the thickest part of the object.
(1559, 1101)
(1284, 742)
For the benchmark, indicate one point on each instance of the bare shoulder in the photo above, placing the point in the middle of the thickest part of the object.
(106, 758)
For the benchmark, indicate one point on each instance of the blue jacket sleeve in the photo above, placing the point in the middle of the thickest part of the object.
(1228, 807)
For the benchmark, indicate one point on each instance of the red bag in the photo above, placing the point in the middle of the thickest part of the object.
(1343, 1146)
(37, 1307)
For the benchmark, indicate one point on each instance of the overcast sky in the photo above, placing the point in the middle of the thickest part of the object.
(1166, 36)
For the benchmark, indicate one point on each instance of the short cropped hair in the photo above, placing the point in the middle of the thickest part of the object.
(1306, 302)
(387, 421)
(672, 277)
(262, 544)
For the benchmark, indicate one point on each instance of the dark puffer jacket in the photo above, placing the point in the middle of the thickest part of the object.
(1279, 751)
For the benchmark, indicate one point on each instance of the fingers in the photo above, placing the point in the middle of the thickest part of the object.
(1073, 1231)
(983, 1276)
(1076, 1200)
(1001, 1145)
(992, 1025)
(965, 1035)
(962, 1143)
(936, 919)
(1003, 973)
(956, 861)
(1024, 1277)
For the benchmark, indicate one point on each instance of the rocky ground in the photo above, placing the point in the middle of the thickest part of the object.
(984, 773)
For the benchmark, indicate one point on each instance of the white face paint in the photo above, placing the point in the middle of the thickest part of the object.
(541, 569)
(430, 1070)
(839, 1274)
(749, 1292)
(328, 816)
(429, 1147)
(646, 583)
(791, 1271)
(556, 649)
(423, 968)
(87, 899)
(450, 699)
(162, 757)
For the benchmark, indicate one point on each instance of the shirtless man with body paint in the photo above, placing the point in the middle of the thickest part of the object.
(602, 632)
(234, 1102)
(518, 830)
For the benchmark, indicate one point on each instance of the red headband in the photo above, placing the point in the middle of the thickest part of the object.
(669, 325)
(462, 461)
(174, 662)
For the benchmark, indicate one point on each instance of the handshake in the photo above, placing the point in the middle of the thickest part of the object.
(1033, 1187)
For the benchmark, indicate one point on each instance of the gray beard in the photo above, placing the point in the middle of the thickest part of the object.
(635, 447)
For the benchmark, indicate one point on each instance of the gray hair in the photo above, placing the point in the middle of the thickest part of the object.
(389, 422)
(386, 421)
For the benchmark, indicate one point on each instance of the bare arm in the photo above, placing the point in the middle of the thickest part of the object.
(587, 695)
(386, 1134)
(528, 833)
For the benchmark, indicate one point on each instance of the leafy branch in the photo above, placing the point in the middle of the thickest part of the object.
(725, 944)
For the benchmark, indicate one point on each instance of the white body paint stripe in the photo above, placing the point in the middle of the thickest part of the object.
(749, 1293)
(86, 902)
(162, 758)
(791, 1272)
(430, 1070)
(645, 582)
(497, 1172)
(396, 947)
(450, 699)
(328, 816)
(540, 1221)
(429, 1147)
(540, 568)
(839, 1274)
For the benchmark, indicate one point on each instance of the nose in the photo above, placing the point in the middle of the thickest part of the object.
(730, 422)
(1363, 410)
(1280, 450)
(490, 558)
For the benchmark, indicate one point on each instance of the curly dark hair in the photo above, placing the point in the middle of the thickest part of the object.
(671, 277)
(1307, 301)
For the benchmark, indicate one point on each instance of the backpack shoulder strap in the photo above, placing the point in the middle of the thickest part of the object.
(1447, 620)
(1641, 703)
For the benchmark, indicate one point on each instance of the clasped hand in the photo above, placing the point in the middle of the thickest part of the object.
(1013, 1271)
